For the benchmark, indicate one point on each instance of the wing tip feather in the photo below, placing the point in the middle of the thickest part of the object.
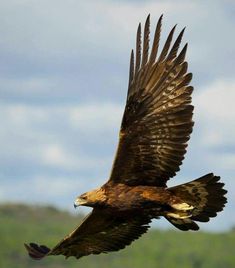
(35, 251)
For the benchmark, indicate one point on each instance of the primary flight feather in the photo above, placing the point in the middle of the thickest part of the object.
(155, 129)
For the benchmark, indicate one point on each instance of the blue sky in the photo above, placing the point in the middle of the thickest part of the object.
(63, 81)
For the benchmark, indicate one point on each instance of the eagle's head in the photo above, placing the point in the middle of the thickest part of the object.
(91, 199)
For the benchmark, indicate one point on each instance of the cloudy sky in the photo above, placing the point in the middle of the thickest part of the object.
(63, 81)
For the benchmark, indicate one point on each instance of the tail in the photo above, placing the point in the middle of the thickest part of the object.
(202, 199)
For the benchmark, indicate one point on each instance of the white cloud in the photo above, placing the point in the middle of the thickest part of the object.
(53, 154)
(79, 50)
(43, 189)
(56, 156)
(22, 115)
(72, 32)
(214, 110)
(227, 161)
(96, 117)
(29, 84)
(60, 186)
(43, 133)
(78, 21)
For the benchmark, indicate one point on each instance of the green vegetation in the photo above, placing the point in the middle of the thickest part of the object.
(47, 225)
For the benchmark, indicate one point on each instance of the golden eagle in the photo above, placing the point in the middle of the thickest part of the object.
(155, 129)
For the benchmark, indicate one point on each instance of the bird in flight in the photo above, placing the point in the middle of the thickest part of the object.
(155, 129)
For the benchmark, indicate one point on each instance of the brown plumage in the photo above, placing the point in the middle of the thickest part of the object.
(155, 129)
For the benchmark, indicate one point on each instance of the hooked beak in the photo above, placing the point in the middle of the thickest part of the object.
(79, 202)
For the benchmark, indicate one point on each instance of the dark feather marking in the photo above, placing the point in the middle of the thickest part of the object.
(131, 71)
(146, 41)
(138, 50)
(167, 45)
(156, 42)
(174, 50)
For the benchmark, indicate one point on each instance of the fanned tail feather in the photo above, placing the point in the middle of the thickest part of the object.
(207, 197)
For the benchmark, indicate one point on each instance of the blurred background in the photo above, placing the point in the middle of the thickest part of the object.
(63, 83)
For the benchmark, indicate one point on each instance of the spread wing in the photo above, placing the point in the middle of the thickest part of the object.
(99, 232)
(157, 120)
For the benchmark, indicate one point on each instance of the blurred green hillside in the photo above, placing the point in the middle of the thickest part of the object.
(47, 225)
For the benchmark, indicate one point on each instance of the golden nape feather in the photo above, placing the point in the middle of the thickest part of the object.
(156, 126)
